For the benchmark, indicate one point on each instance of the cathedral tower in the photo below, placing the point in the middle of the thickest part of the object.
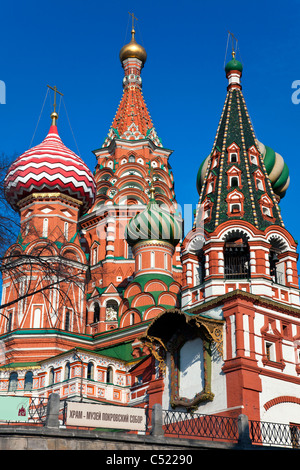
(45, 270)
(240, 184)
(240, 277)
(131, 158)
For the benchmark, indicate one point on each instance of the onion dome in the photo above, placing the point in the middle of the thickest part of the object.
(50, 167)
(233, 64)
(133, 50)
(277, 170)
(201, 173)
(153, 223)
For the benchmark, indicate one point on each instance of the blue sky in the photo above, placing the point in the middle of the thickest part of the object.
(75, 45)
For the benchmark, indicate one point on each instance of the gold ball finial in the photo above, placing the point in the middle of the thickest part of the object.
(152, 192)
(133, 50)
(54, 117)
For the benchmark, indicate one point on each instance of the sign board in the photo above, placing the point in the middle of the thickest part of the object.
(106, 416)
(14, 408)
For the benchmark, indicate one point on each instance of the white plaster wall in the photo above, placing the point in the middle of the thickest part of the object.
(283, 412)
(191, 375)
(258, 325)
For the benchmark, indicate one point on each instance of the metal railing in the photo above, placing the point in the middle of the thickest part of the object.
(274, 434)
(225, 428)
(37, 409)
(179, 424)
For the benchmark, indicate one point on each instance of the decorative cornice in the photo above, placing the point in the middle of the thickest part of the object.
(255, 299)
(49, 196)
(153, 243)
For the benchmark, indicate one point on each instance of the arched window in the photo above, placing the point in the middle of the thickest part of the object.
(90, 371)
(152, 262)
(210, 187)
(28, 380)
(67, 371)
(260, 185)
(129, 252)
(277, 267)
(37, 318)
(236, 259)
(51, 376)
(9, 322)
(131, 159)
(234, 181)
(67, 319)
(13, 382)
(66, 230)
(95, 257)
(96, 312)
(166, 261)
(199, 271)
(109, 375)
(234, 208)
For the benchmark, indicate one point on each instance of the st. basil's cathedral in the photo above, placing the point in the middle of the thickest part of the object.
(106, 300)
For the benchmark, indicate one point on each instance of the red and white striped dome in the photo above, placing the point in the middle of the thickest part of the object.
(50, 167)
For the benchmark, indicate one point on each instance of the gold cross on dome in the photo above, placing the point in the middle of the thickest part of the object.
(133, 18)
(55, 91)
(232, 41)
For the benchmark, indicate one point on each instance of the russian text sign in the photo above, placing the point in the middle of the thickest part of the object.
(106, 416)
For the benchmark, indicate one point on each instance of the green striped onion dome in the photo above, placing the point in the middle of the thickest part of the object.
(276, 168)
(201, 173)
(153, 223)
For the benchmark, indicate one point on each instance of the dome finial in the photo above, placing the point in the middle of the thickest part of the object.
(133, 49)
(54, 115)
(132, 28)
(152, 192)
(233, 68)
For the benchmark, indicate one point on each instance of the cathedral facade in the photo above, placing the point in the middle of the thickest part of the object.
(106, 299)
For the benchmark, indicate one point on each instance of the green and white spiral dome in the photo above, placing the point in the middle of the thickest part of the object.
(153, 223)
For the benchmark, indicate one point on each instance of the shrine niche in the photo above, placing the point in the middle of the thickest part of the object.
(187, 342)
(111, 311)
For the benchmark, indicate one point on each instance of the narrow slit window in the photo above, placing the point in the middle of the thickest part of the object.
(45, 227)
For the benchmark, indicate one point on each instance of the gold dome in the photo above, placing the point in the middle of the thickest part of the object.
(133, 50)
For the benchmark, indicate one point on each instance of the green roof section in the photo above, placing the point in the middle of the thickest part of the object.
(142, 279)
(20, 365)
(121, 351)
